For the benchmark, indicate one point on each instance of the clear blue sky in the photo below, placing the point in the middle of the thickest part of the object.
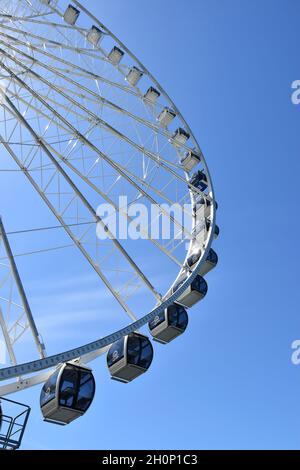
(229, 382)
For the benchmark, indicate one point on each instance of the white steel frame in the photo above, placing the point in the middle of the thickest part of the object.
(19, 69)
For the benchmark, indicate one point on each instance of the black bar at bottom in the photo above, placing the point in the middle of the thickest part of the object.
(134, 459)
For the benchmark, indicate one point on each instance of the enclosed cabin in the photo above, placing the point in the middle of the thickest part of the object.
(210, 263)
(202, 227)
(180, 137)
(169, 324)
(134, 76)
(196, 291)
(94, 35)
(203, 205)
(71, 15)
(115, 56)
(190, 160)
(194, 258)
(151, 95)
(129, 357)
(68, 394)
(166, 117)
(199, 180)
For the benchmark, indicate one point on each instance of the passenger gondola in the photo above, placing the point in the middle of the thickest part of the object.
(152, 95)
(134, 75)
(190, 160)
(169, 324)
(194, 258)
(71, 15)
(208, 225)
(199, 180)
(196, 291)
(180, 137)
(115, 56)
(203, 205)
(129, 357)
(210, 262)
(166, 117)
(67, 394)
(94, 35)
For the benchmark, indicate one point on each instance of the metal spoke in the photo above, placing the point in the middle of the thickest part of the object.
(91, 210)
(101, 154)
(61, 220)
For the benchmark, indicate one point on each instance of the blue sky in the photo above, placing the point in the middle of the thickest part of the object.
(229, 381)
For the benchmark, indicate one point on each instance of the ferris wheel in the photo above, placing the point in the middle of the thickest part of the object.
(89, 126)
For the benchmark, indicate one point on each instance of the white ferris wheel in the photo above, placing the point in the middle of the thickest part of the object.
(87, 124)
